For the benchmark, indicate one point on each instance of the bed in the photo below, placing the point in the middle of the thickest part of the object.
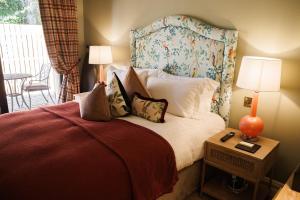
(36, 161)
(185, 46)
(186, 137)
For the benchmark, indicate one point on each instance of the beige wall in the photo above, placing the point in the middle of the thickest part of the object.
(267, 28)
(80, 18)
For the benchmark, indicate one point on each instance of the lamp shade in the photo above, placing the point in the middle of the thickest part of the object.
(260, 74)
(100, 55)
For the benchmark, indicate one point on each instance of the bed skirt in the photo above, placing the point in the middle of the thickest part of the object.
(188, 182)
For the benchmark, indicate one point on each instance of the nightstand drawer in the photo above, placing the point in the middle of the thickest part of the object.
(231, 161)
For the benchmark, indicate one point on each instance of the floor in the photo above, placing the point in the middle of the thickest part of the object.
(37, 100)
(196, 196)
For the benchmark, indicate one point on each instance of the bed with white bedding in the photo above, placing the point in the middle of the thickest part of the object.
(50, 145)
(179, 49)
(187, 47)
(186, 136)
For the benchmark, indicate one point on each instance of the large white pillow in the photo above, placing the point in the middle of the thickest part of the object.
(121, 73)
(207, 88)
(179, 94)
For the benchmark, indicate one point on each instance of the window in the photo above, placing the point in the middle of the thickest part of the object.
(28, 75)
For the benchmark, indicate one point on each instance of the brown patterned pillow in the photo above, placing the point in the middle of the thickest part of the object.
(95, 106)
(133, 84)
(151, 109)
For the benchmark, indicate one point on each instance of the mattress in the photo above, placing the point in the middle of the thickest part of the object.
(186, 136)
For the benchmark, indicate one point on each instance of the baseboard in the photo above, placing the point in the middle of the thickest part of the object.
(276, 185)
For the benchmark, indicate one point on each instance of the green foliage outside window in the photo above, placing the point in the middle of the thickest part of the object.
(19, 12)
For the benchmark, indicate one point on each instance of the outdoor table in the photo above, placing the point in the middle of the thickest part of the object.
(13, 91)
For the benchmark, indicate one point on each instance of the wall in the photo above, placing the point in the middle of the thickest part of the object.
(80, 18)
(267, 28)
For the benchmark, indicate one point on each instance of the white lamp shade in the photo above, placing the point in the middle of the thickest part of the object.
(260, 74)
(100, 55)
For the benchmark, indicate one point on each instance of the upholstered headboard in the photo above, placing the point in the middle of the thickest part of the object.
(185, 46)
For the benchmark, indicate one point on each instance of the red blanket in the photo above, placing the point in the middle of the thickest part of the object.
(51, 153)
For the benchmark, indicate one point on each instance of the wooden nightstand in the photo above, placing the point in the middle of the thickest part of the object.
(224, 157)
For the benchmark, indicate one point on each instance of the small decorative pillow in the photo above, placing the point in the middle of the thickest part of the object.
(133, 84)
(151, 109)
(95, 106)
(118, 99)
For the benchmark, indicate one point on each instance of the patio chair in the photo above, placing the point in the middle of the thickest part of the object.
(38, 82)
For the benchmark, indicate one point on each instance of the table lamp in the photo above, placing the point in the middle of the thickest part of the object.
(258, 74)
(100, 55)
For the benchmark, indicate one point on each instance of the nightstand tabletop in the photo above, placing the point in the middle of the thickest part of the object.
(267, 145)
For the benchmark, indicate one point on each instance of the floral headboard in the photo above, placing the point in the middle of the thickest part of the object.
(185, 46)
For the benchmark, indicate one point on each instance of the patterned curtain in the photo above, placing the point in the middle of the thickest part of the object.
(61, 36)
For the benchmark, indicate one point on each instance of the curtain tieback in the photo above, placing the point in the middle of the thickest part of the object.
(73, 66)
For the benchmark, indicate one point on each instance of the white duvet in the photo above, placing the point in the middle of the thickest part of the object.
(186, 136)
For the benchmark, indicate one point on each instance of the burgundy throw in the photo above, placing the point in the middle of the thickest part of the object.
(51, 153)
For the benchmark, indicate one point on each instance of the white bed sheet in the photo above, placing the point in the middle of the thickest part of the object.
(186, 136)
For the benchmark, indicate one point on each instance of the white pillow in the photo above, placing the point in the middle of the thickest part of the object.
(207, 88)
(179, 94)
(121, 73)
(151, 72)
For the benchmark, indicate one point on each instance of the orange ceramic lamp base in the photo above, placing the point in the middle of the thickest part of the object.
(251, 125)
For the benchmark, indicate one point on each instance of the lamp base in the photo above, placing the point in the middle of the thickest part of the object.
(251, 127)
(247, 138)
